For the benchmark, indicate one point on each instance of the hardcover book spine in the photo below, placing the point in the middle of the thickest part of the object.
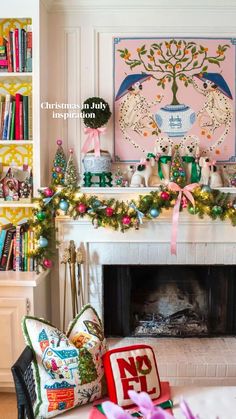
(6, 116)
(17, 249)
(2, 241)
(9, 56)
(6, 248)
(17, 116)
(20, 50)
(25, 117)
(9, 121)
(11, 35)
(17, 49)
(2, 120)
(12, 129)
(29, 49)
(21, 120)
(30, 123)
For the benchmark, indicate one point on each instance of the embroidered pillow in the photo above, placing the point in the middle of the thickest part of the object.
(68, 370)
(131, 368)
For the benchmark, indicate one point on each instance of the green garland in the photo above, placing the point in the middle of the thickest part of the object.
(118, 215)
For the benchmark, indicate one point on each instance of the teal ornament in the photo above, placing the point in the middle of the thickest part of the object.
(182, 174)
(96, 203)
(206, 188)
(63, 205)
(54, 175)
(43, 242)
(176, 174)
(217, 210)
(154, 212)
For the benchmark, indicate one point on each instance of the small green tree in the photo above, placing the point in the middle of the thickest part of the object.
(59, 165)
(174, 60)
(177, 172)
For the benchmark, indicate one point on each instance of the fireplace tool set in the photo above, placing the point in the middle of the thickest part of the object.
(73, 259)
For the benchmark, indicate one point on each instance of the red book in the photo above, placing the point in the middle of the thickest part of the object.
(18, 116)
(4, 63)
(16, 39)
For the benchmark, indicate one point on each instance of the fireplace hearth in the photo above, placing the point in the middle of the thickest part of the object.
(173, 301)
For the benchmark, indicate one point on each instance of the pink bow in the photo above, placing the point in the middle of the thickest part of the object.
(182, 191)
(93, 140)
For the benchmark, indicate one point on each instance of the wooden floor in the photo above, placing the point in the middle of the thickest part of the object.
(8, 408)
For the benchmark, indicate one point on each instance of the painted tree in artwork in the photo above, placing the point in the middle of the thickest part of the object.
(87, 369)
(174, 61)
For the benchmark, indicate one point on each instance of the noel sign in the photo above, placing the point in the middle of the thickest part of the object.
(131, 368)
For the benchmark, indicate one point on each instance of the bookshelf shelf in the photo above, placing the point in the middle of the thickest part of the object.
(16, 142)
(5, 74)
(17, 204)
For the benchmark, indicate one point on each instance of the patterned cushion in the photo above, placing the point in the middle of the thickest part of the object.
(68, 368)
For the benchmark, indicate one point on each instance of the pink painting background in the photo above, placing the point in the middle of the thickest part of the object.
(186, 95)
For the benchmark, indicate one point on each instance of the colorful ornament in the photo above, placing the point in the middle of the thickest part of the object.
(48, 192)
(193, 210)
(184, 202)
(63, 205)
(96, 203)
(154, 212)
(126, 220)
(217, 210)
(147, 199)
(206, 188)
(47, 263)
(81, 208)
(119, 178)
(43, 242)
(165, 196)
(109, 211)
(41, 215)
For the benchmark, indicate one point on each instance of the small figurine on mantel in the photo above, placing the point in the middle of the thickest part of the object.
(10, 186)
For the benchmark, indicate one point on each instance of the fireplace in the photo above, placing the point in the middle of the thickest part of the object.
(170, 301)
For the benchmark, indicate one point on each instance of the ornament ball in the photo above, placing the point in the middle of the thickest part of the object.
(48, 192)
(206, 188)
(96, 203)
(165, 196)
(217, 210)
(109, 211)
(64, 205)
(43, 242)
(59, 142)
(126, 220)
(47, 263)
(193, 210)
(154, 212)
(81, 208)
(41, 215)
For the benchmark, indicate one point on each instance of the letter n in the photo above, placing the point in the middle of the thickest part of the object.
(128, 366)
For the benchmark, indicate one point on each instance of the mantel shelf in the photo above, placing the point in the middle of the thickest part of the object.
(138, 191)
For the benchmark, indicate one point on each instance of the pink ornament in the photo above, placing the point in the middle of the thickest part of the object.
(184, 202)
(71, 151)
(47, 263)
(126, 220)
(81, 208)
(109, 211)
(165, 196)
(58, 169)
(48, 192)
(59, 142)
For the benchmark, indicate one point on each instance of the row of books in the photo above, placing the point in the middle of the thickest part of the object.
(15, 117)
(15, 244)
(16, 51)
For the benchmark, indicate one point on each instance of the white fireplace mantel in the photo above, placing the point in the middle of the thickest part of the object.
(200, 241)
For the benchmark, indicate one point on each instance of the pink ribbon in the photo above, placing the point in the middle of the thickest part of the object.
(93, 140)
(175, 219)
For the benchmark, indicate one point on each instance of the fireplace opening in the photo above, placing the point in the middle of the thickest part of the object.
(174, 301)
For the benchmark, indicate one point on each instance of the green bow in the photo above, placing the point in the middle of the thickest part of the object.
(164, 160)
(196, 171)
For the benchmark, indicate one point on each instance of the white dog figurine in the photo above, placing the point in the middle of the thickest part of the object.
(205, 164)
(215, 178)
(163, 153)
(190, 150)
(143, 173)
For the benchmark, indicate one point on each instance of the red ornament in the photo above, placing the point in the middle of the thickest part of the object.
(126, 220)
(48, 192)
(59, 142)
(109, 211)
(81, 208)
(47, 263)
(165, 196)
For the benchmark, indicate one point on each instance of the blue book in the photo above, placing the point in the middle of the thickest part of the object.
(2, 241)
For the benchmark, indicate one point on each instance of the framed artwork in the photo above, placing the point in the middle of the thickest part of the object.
(174, 91)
